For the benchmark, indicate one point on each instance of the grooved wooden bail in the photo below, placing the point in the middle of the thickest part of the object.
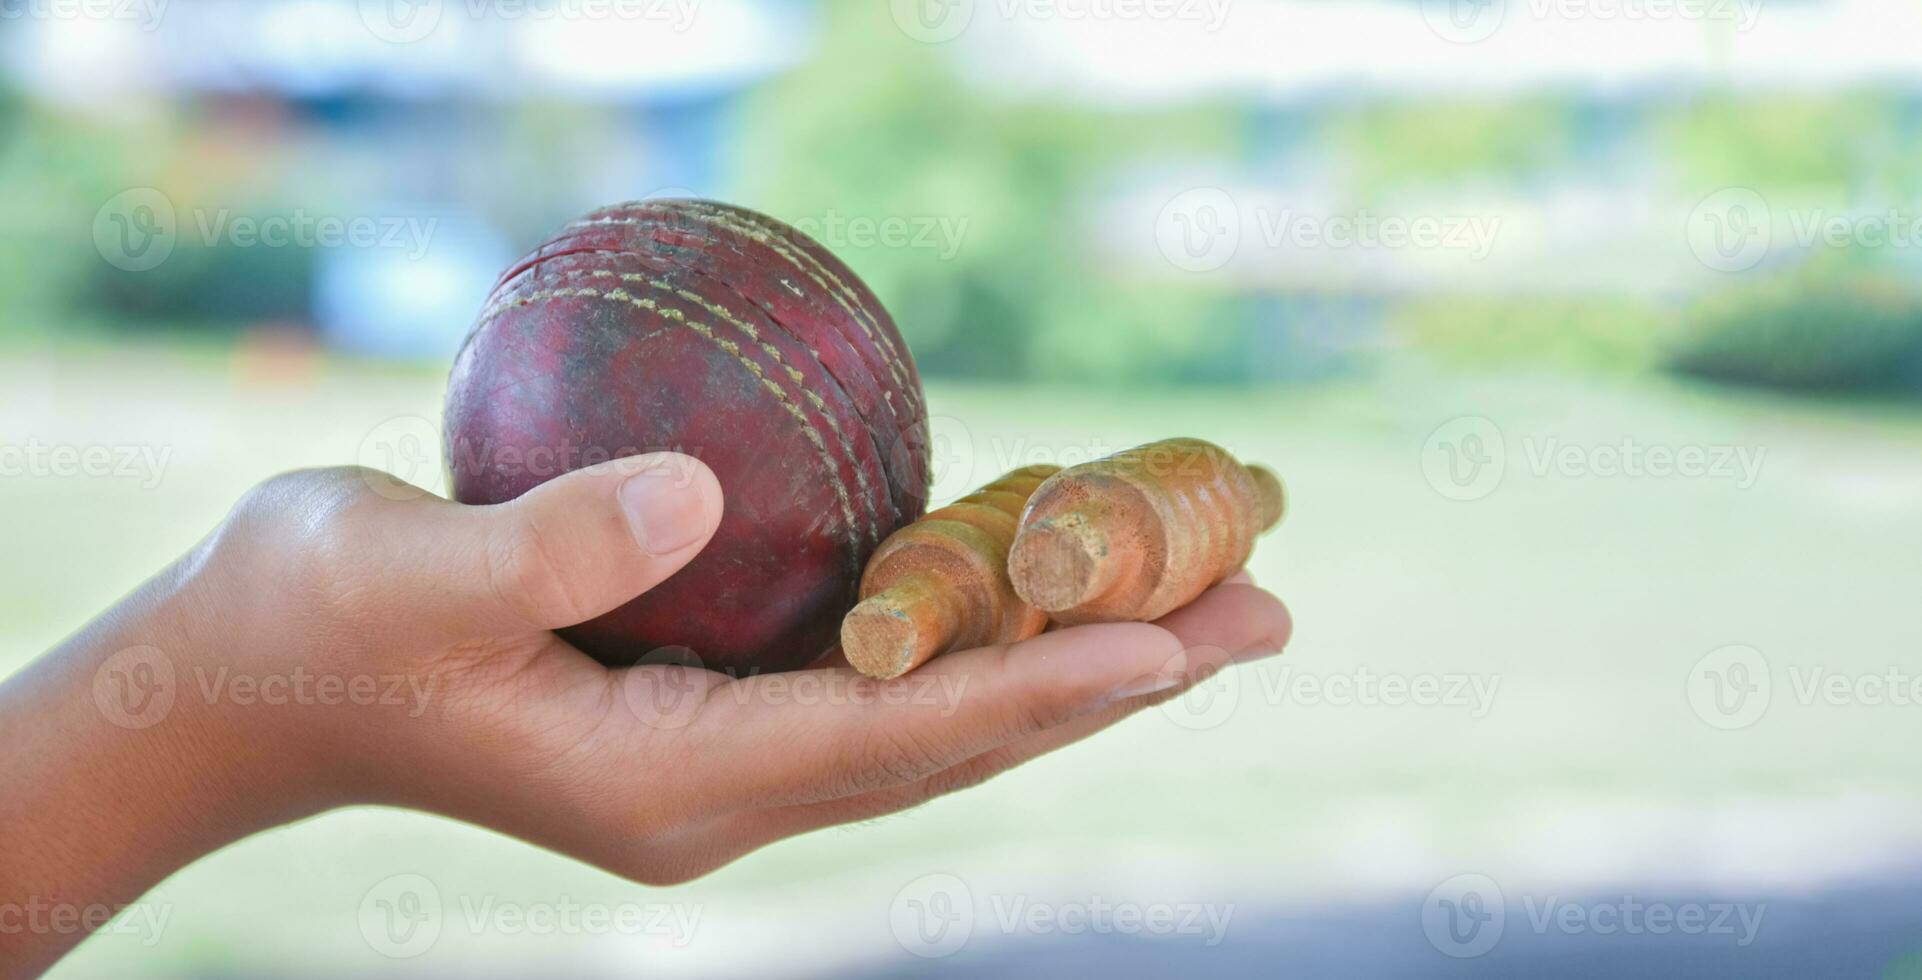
(1140, 533)
(902, 626)
(1068, 560)
(941, 583)
(1274, 497)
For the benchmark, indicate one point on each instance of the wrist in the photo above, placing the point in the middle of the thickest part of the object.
(127, 772)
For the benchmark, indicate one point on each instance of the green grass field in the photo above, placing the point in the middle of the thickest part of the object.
(1579, 601)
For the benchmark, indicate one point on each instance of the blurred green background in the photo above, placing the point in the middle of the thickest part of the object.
(1475, 277)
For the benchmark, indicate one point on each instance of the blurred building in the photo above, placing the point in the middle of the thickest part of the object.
(429, 111)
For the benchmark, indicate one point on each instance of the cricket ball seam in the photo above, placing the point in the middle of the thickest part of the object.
(777, 236)
(738, 235)
(808, 428)
(753, 333)
(838, 291)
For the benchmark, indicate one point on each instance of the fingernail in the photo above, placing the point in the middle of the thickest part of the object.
(666, 510)
(1144, 686)
(1253, 654)
(1171, 674)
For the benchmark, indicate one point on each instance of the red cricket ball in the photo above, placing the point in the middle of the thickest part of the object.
(727, 335)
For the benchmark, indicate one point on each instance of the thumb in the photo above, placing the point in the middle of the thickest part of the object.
(572, 548)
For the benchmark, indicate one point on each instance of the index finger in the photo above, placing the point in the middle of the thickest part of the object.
(886, 733)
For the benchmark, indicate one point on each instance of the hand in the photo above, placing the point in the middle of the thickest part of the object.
(332, 644)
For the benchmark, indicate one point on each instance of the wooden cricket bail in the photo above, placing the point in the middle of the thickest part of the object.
(1085, 542)
(1075, 556)
(1272, 493)
(941, 583)
(1140, 533)
(904, 625)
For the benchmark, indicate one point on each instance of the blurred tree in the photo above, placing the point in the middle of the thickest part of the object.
(1838, 141)
(878, 127)
(1843, 321)
(1398, 143)
(1611, 333)
(62, 172)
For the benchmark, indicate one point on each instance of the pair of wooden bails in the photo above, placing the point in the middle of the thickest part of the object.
(1134, 536)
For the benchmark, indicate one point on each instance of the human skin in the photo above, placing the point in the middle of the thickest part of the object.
(341, 639)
